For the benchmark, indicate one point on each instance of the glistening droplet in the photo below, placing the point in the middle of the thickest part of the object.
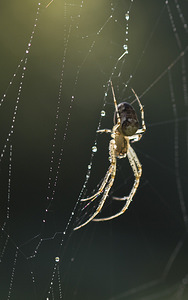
(94, 149)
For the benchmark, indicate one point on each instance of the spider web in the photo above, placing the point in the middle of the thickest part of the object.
(55, 70)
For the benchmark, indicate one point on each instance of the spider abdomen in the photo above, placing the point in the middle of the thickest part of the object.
(128, 118)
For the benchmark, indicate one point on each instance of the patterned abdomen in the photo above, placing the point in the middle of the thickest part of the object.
(128, 117)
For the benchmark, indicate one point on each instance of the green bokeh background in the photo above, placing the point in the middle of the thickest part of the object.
(129, 257)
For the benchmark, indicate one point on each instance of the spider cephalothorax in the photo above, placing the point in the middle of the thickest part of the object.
(125, 129)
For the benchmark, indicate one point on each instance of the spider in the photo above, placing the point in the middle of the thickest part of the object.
(125, 129)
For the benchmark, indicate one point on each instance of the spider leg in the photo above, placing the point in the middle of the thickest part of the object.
(104, 131)
(101, 203)
(105, 180)
(118, 117)
(136, 137)
(49, 4)
(120, 199)
(143, 129)
(112, 172)
(137, 170)
(115, 104)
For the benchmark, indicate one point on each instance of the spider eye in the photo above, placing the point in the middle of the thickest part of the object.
(128, 118)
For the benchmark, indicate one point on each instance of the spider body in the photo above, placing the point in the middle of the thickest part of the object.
(125, 129)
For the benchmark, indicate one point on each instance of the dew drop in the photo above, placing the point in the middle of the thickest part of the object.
(127, 16)
(125, 47)
(94, 149)
(57, 258)
(103, 113)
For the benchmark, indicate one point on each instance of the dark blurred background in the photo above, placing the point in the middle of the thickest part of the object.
(74, 52)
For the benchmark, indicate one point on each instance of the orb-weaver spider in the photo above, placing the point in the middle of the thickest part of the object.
(124, 130)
